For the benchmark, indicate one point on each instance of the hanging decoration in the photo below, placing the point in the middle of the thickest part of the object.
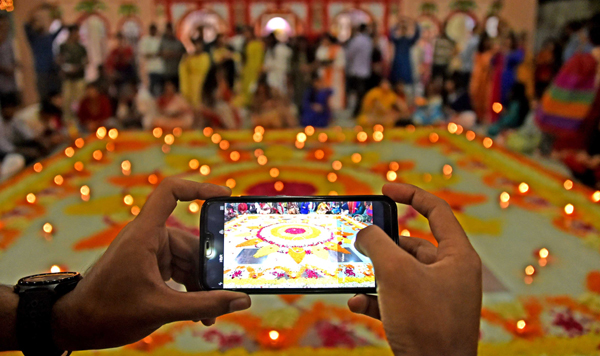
(90, 6)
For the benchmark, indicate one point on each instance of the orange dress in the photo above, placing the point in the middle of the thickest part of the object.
(481, 84)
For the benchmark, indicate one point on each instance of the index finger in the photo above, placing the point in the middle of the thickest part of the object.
(164, 198)
(445, 228)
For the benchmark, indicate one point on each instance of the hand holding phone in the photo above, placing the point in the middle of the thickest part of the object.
(279, 245)
(424, 293)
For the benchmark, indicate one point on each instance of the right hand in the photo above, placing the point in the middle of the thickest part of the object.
(429, 299)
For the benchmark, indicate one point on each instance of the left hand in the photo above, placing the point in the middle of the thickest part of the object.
(124, 297)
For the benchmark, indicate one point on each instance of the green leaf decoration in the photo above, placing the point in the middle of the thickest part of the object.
(463, 5)
(428, 8)
(495, 8)
(90, 6)
(128, 9)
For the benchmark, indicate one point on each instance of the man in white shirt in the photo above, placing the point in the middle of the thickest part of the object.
(149, 50)
(358, 63)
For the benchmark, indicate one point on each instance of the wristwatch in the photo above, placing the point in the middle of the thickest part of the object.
(37, 295)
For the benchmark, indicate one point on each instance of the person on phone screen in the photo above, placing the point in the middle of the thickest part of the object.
(435, 296)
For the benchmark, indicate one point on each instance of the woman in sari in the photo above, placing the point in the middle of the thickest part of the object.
(192, 73)
(481, 79)
(172, 111)
(332, 64)
(254, 53)
(382, 105)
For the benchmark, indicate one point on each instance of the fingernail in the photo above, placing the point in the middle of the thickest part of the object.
(239, 304)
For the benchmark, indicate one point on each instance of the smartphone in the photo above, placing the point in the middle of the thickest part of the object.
(290, 245)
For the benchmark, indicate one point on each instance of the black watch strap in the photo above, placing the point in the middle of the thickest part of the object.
(34, 323)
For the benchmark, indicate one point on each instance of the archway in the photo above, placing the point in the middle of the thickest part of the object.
(283, 24)
(345, 22)
(132, 29)
(460, 26)
(211, 22)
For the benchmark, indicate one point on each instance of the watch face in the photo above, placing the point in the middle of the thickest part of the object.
(47, 278)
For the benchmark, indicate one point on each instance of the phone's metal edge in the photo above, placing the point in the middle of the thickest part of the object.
(249, 198)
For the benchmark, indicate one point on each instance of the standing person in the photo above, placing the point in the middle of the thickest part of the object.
(192, 73)
(41, 42)
(277, 64)
(236, 42)
(149, 47)
(302, 69)
(254, 53)
(377, 59)
(358, 59)
(8, 63)
(401, 66)
(545, 62)
(467, 56)
(225, 57)
(569, 111)
(480, 86)
(72, 59)
(514, 56)
(120, 63)
(443, 52)
(577, 40)
(171, 50)
(331, 60)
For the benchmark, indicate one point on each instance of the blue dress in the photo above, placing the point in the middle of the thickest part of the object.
(509, 72)
(402, 67)
(304, 208)
(312, 117)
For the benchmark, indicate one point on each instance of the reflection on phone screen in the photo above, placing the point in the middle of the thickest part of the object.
(296, 245)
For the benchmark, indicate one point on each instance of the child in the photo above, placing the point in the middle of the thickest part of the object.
(316, 110)
(457, 103)
(430, 109)
(515, 112)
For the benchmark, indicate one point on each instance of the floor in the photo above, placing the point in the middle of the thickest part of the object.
(513, 209)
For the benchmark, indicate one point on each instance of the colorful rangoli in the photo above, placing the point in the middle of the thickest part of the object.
(539, 242)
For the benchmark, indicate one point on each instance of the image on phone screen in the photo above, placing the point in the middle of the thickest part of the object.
(295, 245)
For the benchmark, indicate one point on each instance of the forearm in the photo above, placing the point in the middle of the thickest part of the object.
(8, 314)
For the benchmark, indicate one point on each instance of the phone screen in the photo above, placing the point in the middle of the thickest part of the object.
(293, 245)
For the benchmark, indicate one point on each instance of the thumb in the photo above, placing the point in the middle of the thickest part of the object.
(204, 305)
(386, 256)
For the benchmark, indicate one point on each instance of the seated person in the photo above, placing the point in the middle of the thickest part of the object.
(527, 138)
(430, 109)
(253, 208)
(242, 208)
(293, 208)
(131, 106)
(316, 110)
(323, 208)
(457, 103)
(269, 109)
(305, 208)
(381, 105)
(216, 101)
(360, 208)
(94, 109)
(336, 209)
(515, 112)
(172, 111)
(32, 132)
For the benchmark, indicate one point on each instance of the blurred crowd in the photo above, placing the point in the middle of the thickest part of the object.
(545, 103)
